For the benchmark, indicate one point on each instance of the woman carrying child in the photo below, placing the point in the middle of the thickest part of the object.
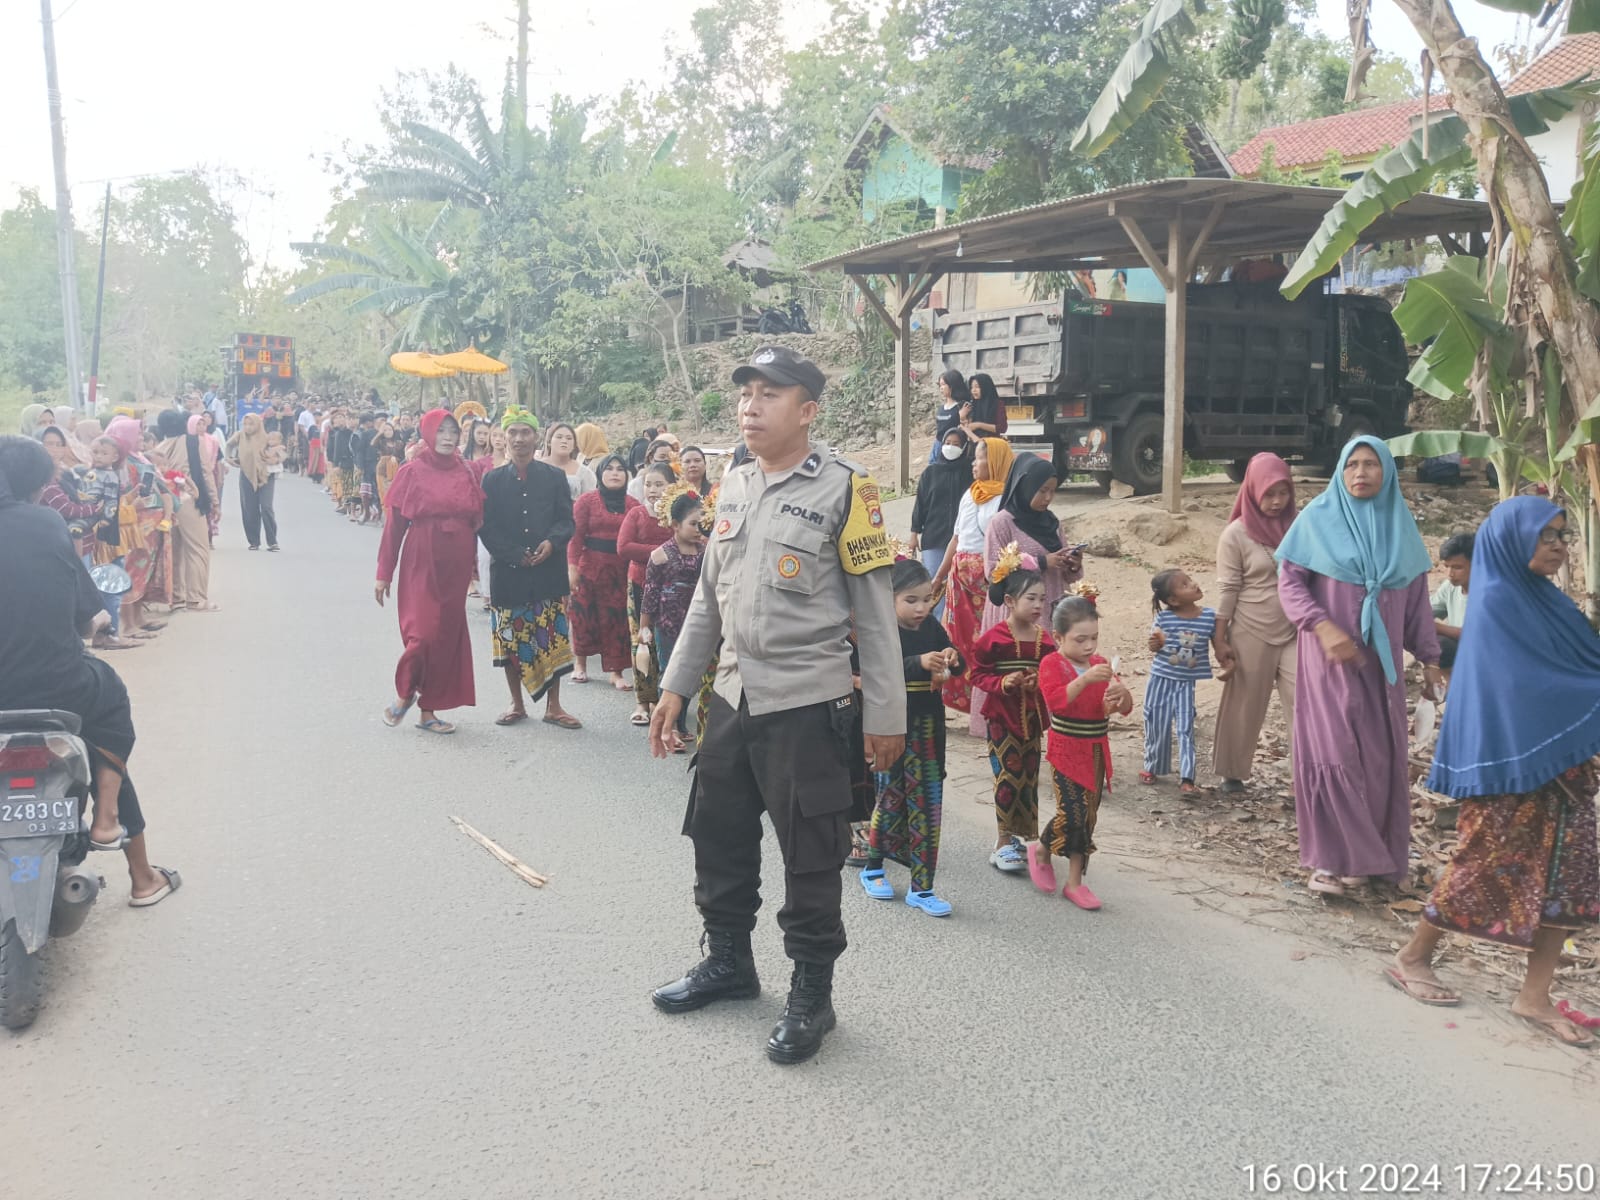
(1178, 639)
(645, 529)
(910, 795)
(1081, 693)
(1005, 665)
(670, 579)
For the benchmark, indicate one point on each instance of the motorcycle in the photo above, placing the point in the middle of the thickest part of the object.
(789, 318)
(45, 890)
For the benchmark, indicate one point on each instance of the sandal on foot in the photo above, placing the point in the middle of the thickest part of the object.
(1557, 1030)
(874, 884)
(1082, 897)
(1325, 883)
(928, 903)
(174, 881)
(122, 840)
(435, 725)
(639, 718)
(564, 721)
(1146, 777)
(1040, 869)
(578, 677)
(1233, 787)
(1410, 987)
(511, 718)
(392, 716)
(1188, 791)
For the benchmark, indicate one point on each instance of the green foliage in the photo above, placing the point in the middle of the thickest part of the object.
(711, 404)
(1405, 171)
(31, 354)
(1248, 37)
(1451, 314)
(1143, 71)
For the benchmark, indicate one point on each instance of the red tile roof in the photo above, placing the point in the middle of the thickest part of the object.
(1362, 133)
(1574, 56)
(1355, 135)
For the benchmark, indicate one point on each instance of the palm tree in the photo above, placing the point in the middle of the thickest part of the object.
(406, 278)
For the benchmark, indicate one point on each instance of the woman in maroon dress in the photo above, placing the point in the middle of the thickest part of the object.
(435, 507)
(599, 575)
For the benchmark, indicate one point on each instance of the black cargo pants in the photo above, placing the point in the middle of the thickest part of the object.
(793, 765)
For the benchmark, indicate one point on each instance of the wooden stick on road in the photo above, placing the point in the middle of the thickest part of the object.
(518, 868)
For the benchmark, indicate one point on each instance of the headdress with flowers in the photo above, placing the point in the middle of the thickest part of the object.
(1012, 559)
(663, 507)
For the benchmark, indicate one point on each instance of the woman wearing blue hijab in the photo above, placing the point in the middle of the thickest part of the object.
(1353, 579)
(1517, 747)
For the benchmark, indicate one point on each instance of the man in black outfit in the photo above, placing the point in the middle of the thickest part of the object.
(49, 601)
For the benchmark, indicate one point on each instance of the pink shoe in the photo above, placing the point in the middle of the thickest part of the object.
(1040, 868)
(1082, 897)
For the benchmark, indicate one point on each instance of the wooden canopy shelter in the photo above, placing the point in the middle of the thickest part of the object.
(1176, 227)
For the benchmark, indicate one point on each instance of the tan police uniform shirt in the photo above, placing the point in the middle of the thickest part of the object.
(794, 561)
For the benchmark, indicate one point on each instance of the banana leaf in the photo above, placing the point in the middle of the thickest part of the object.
(1447, 312)
(1405, 171)
(1430, 443)
(1144, 70)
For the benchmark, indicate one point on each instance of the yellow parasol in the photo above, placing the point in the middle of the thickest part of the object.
(421, 364)
(473, 361)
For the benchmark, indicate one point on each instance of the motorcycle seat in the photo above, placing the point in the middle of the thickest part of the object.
(39, 720)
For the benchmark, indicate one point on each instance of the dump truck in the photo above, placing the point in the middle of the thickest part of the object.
(1082, 378)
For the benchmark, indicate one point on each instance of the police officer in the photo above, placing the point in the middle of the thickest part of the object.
(797, 558)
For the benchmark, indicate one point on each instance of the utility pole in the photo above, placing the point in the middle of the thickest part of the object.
(522, 59)
(72, 327)
(99, 304)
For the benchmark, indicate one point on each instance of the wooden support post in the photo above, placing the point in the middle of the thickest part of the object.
(863, 283)
(1177, 285)
(902, 385)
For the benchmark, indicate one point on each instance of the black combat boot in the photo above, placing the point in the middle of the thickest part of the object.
(728, 972)
(807, 1016)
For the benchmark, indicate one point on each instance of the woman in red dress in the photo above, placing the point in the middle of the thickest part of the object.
(435, 508)
(599, 575)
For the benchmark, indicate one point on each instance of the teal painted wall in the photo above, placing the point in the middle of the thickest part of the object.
(901, 175)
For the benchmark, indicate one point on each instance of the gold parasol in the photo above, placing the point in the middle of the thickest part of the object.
(421, 364)
(473, 361)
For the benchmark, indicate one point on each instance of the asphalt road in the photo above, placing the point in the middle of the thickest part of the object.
(348, 998)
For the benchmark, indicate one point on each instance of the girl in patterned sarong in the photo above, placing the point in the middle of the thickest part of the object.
(1082, 693)
(1005, 666)
(910, 795)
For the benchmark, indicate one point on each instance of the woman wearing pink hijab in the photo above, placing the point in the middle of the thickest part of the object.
(1250, 617)
(210, 461)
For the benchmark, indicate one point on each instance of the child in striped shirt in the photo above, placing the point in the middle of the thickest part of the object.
(1179, 638)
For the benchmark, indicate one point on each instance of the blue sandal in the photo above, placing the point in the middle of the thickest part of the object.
(875, 885)
(392, 716)
(435, 725)
(928, 903)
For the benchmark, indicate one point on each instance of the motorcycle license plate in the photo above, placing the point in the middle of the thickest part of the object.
(28, 816)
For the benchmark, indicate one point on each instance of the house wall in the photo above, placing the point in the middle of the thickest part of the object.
(1560, 151)
(900, 175)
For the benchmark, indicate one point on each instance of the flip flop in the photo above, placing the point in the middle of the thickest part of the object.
(174, 881)
(435, 725)
(639, 718)
(1324, 884)
(392, 716)
(622, 685)
(576, 678)
(1408, 986)
(564, 721)
(122, 840)
(153, 626)
(510, 718)
(1552, 1031)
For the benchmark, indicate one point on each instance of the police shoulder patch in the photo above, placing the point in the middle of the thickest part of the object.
(864, 542)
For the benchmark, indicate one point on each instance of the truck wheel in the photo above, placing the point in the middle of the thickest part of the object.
(1236, 469)
(19, 980)
(1136, 454)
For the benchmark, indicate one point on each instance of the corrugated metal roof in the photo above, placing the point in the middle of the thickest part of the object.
(1086, 231)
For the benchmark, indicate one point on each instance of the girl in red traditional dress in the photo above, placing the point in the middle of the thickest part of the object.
(1081, 692)
(599, 575)
(1005, 665)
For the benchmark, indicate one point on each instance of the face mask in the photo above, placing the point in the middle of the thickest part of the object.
(951, 453)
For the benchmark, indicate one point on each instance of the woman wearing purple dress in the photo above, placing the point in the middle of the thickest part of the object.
(1354, 581)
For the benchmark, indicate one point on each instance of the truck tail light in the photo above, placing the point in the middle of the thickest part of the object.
(1069, 410)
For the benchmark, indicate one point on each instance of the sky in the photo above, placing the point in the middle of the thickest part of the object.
(268, 90)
